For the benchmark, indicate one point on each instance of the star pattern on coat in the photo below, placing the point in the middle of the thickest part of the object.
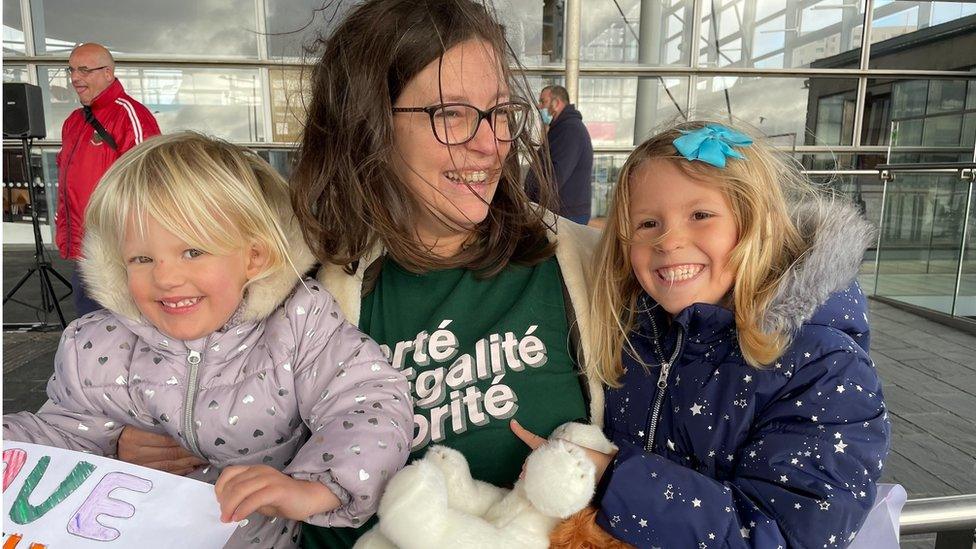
(699, 437)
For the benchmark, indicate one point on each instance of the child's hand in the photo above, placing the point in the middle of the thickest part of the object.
(244, 489)
(156, 452)
(601, 460)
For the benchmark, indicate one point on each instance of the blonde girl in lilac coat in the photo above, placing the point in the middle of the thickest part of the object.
(211, 336)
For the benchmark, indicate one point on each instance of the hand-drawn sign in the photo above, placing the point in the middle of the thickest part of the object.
(56, 498)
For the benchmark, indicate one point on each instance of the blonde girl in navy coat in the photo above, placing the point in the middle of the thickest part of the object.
(734, 338)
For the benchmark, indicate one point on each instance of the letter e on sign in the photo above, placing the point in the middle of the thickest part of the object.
(84, 522)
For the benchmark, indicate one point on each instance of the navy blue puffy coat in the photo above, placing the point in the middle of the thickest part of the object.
(786, 456)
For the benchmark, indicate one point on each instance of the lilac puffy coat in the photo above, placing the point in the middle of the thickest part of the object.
(286, 382)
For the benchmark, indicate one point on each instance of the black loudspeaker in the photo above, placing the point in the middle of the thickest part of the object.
(23, 111)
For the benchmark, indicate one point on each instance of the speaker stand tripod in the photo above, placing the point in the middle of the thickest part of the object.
(42, 266)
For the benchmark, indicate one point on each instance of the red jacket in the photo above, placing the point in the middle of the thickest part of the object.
(84, 158)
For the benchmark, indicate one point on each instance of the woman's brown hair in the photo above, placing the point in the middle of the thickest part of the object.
(345, 189)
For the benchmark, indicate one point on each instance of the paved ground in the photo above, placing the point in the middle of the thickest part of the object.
(929, 371)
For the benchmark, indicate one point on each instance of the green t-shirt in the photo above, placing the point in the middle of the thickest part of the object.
(477, 353)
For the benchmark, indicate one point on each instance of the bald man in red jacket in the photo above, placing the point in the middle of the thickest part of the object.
(86, 153)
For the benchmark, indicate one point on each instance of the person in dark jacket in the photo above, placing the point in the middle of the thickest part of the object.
(570, 152)
(743, 402)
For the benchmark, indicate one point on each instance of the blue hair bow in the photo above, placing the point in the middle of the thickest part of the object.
(711, 144)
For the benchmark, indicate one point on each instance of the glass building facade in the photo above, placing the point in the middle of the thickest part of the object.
(843, 85)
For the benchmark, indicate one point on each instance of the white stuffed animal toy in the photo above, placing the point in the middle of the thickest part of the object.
(434, 503)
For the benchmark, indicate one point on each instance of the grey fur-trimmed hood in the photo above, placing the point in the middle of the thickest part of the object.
(840, 235)
(106, 279)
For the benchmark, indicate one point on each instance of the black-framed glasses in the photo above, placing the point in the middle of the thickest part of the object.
(457, 123)
(85, 71)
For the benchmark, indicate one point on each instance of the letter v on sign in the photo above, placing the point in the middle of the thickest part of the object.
(22, 512)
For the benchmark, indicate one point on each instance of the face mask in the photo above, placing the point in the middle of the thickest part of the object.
(546, 116)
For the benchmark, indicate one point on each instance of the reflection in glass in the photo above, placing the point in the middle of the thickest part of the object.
(226, 103)
(770, 37)
(17, 201)
(49, 169)
(780, 33)
(59, 98)
(606, 170)
(608, 109)
(782, 108)
(966, 300)
(534, 28)
(936, 113)
(650, 32)
(15, 73)
(295, 25)
(13, 29)
(908, 98)
(17, 204)
(969, 130)
(608, 106)
(835, 119)
(920, 239)
(290, 93)
(191, 28)
(899, 39)
(893, 19)
(942, 131)
(946, 96)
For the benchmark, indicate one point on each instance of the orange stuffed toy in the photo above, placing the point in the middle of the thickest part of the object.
(580, 531)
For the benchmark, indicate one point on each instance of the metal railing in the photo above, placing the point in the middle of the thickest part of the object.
(966, 171)
(951, 518)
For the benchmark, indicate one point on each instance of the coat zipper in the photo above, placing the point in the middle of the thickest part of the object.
(662, 382)
(193, 358)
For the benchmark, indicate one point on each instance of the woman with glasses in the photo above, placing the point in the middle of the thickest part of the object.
(409, 191)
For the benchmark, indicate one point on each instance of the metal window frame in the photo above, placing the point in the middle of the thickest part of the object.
(574, 68)
(27, 22)
(264, 53)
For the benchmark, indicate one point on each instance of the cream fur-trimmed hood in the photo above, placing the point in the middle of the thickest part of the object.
(575, 246)
(106, 278)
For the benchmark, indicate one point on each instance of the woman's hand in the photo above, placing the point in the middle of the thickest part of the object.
(244, 489)
(156, 452)
(601, 460)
